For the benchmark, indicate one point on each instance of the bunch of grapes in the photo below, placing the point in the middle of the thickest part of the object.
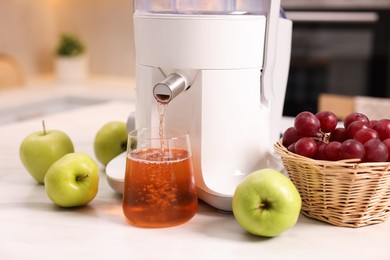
(317, 136)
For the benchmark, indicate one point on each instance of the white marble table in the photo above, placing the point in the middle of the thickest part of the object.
(31, 227)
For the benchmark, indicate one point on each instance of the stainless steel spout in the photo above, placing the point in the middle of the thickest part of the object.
(169, 88)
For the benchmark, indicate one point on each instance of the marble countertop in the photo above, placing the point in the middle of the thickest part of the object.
(32, 227)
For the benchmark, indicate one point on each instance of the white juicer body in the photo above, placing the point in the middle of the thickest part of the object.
(232, 125)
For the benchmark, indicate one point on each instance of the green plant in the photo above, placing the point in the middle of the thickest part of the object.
(70, 45)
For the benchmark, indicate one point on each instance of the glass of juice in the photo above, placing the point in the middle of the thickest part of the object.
(159, 188)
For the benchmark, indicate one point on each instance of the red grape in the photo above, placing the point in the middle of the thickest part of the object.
(307, 124)
(351, 149)
(291, 148)
(290, 136)
(387, 143)
(354, 127)
(355, 117)
(339, 135)
(328, 121)
(375, 151)
(306, 146)
(365, 134)
(372, 123)
(332, 151)
(383, 128)
(320, 151)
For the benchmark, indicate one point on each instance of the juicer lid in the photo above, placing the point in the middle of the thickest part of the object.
(256, 7)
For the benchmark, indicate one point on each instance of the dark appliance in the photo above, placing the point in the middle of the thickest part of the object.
(339, 47)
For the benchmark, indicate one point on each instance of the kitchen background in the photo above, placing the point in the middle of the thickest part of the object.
(339, 46)
(29, 31)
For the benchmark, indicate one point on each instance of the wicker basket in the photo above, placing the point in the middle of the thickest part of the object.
(343, 193)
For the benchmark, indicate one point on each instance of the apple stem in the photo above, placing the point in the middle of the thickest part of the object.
(264, 205)
(80, 178)
(44, 127)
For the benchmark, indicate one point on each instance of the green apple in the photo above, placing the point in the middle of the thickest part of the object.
(110, 141)
(73, 180)
(39, 150)
(266, 203)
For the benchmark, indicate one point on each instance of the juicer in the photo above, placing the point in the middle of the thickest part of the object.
(222, 67)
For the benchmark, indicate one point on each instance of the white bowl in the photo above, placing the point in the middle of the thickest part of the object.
(115, 171)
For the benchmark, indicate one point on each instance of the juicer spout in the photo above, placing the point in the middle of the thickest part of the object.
(169, 88)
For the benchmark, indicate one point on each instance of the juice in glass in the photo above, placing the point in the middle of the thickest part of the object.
(159, 188)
